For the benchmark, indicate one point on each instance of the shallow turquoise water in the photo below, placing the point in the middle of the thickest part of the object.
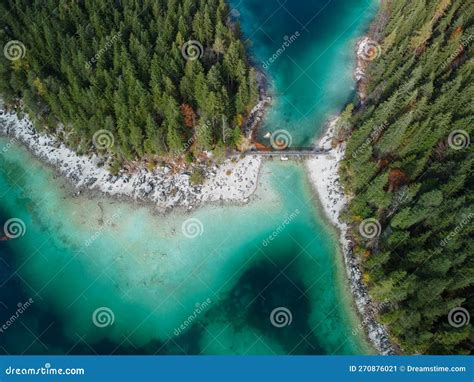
(163, 292)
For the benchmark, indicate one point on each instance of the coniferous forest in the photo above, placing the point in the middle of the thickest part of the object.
(163, 76)
(408, 170)
(168, 77)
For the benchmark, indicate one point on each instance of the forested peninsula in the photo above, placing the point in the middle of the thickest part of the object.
(408, 173)
(159, 77)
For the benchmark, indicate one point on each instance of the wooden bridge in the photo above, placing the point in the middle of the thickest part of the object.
(290, 153)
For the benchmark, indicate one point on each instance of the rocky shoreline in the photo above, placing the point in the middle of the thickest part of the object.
(233, 181)
(257, 114)
(323, 172)
(366, 50)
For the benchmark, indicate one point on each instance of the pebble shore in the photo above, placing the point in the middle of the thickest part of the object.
(233, 181)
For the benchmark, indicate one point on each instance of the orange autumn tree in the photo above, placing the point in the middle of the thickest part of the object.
(396, 178)
(189, 116)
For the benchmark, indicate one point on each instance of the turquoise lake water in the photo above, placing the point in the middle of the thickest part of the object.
(109, 277)
(312, 79)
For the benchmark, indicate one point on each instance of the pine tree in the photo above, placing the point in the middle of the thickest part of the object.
(113, 63)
